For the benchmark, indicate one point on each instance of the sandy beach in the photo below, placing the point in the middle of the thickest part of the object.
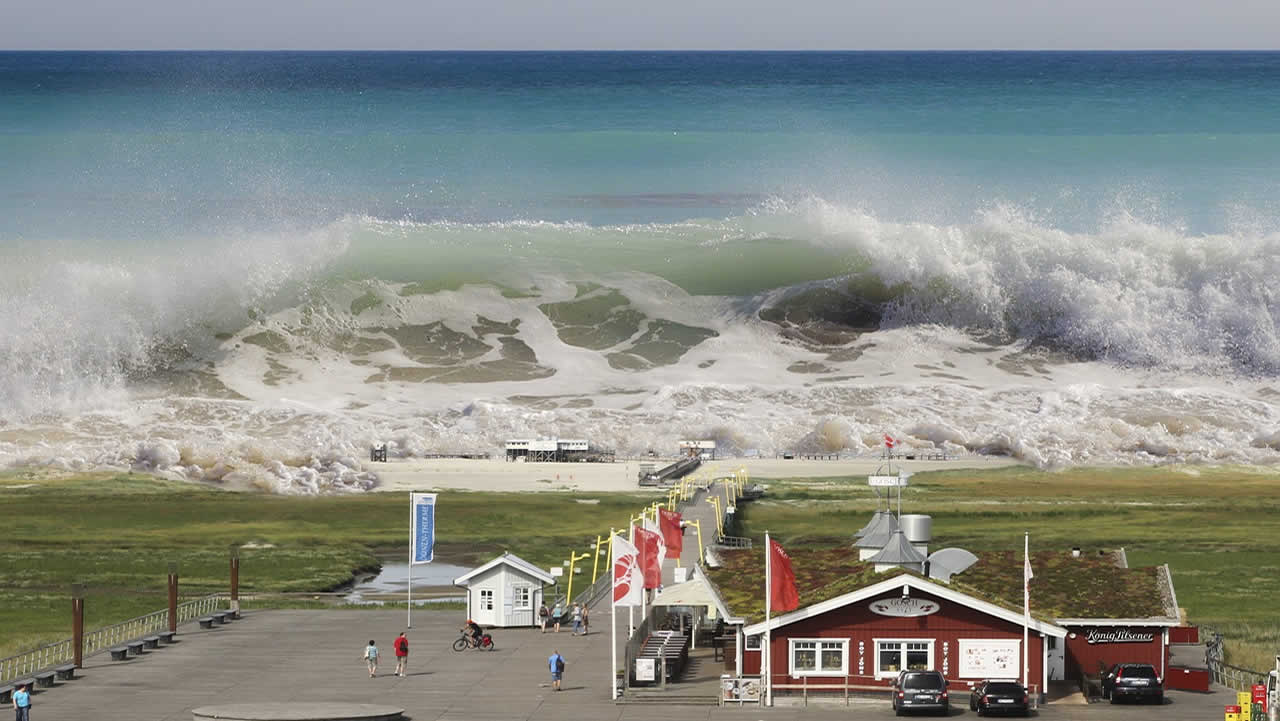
(500, 475)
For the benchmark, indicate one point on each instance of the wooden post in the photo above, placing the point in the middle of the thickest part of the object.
(173, 596)
(77, 624)
(235, 581)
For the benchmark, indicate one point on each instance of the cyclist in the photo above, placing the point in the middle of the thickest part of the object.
(473, 633)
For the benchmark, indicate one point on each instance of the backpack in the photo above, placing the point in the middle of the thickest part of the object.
(560, 664)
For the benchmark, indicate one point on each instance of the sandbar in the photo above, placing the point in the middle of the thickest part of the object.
(622, 476)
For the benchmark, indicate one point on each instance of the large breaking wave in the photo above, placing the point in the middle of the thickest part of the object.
(803, 324)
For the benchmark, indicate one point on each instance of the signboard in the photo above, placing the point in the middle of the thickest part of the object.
(887, 481)
(556, 571)
(996, 658)
(1118, 635)
(739, 689)
(904, 607)
(645, 669)
(422, 527)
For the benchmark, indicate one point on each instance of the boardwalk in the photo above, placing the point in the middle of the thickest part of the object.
(314, 656)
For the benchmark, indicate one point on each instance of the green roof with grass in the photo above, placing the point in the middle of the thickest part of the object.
(1063, 587)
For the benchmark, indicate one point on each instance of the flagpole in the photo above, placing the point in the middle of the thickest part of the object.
(613, 618)
(631, 607)
(413, 532)
(766, 651)
(1026, 608)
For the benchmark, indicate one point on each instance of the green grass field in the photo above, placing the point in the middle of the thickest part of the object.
(117, 535)
(1218, 529)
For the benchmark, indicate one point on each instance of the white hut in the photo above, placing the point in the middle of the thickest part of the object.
(504, 592)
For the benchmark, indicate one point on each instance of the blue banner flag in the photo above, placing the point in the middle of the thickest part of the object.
(423, 531)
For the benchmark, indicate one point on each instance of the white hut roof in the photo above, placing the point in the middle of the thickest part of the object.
(510, 560)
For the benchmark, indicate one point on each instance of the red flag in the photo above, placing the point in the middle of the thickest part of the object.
(782, 581)
(888, 441)
(672, 533)
(647, 543)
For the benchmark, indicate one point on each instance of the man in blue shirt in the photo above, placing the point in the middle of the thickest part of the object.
(556, 663)
(22, 702)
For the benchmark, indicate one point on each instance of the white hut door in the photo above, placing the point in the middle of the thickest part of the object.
(484, 611)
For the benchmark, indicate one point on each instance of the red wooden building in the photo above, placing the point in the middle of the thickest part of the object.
(858, 625)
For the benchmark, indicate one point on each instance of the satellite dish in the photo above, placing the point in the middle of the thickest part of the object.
(945, 563)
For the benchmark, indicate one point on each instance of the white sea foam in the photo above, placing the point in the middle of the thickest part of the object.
(1131, 344)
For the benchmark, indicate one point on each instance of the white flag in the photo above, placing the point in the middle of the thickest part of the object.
(628, 577)
(662, 542)
(1027, 575)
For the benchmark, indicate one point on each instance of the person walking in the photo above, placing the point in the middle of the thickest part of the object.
(371, 656)
(22, 703)
(556, 614)
(556, 663)
(586, 621)
(401, 646)
(543, 614)
(577, 619)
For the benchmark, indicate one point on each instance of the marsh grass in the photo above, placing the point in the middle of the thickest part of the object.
(117, 535)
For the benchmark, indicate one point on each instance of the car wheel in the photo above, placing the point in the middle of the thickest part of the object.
(1159, 700)
(1114, 700)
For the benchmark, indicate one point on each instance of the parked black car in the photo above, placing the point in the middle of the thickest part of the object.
(1001, 697)
(920, 691)
(1133, 680)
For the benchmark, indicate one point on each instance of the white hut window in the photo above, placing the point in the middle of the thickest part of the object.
(523, 598)
(486, 600)
(753, 642)
(819, 657)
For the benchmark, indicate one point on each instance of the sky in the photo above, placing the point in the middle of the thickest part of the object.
(639, 24)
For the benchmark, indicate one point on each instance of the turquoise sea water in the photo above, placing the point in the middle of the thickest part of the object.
(556, 242)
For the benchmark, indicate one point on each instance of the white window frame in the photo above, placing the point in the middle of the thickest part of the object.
(486, 599)
(843, 643)
(902, 642)
(525, 604)
(753, 642)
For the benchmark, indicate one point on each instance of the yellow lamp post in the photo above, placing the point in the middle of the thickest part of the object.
(698, 525)
(595, 567)
(715, 502)
(573, 559)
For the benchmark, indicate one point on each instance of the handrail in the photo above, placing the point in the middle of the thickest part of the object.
(102, 639)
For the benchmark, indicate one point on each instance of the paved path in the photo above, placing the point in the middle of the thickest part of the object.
(314, 656)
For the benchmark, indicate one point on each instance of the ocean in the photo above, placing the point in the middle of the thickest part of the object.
(251, 267)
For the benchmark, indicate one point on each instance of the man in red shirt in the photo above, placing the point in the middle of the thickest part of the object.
(402, 653)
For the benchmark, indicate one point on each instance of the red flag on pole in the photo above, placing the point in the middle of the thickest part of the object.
(672, 533)
(888, 441)
(650, 563)
(782, 582)
(627, 578)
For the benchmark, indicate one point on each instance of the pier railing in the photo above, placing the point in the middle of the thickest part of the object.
(1234, 677)
(102, 639)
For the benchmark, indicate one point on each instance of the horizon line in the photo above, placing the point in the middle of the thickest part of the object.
(640, 50)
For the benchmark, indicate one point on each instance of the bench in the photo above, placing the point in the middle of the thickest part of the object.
(220, 617)
(44, 679)
(206, 622)
(119, 653)
(135, 647)
(168, 636)
(66, 673)
(151, 641)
